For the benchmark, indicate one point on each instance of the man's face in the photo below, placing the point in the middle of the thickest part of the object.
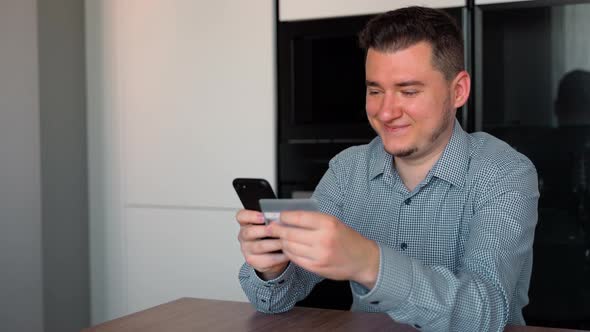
(409, 103)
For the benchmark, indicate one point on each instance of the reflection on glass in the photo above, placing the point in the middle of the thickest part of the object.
(572, 106)
(536, 96)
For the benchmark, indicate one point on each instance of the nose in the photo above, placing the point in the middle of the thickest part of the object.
(390, 108)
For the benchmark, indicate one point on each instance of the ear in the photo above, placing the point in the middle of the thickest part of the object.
(460, 88)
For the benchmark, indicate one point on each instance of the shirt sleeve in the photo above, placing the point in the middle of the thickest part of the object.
(279, 294)
(478, 296)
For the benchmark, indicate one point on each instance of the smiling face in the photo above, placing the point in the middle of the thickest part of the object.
(409, 103)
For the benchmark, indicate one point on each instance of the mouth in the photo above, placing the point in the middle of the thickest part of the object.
(395, 129)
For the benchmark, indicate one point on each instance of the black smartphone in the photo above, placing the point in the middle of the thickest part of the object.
(250, 191)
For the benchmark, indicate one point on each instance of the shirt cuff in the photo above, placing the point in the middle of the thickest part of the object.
(266, 288)
(394, 282)
(273, 283)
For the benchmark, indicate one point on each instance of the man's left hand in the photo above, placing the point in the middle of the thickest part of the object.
(322, 244)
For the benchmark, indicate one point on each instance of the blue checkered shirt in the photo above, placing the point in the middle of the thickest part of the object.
(455, 252)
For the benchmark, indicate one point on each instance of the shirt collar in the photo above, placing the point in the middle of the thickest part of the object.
(454, 161)
(380, 158)
(451, 167)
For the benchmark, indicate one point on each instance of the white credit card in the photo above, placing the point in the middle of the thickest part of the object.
(272, 208)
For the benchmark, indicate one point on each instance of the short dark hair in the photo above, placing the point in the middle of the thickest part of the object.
(399, 29)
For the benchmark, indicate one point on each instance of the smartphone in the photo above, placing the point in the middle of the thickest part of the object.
(250, 191)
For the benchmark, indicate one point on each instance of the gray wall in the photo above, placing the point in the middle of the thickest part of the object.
(62, 91)
(43, 209)
(21, 298)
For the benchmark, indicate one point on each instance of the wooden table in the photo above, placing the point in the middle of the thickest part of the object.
(189, 314)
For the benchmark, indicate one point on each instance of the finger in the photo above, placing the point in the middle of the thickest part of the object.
(246, 217)
(297, 250)
(252, 232)
(291, 234)
(263, 246)
(266, 261)
(302, 219)
(301, 261)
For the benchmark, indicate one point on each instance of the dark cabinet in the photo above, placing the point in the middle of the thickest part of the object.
(534, 93)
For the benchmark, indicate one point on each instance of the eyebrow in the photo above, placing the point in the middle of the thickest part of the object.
(400, 84)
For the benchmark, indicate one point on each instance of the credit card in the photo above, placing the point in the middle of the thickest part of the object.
(272, 208)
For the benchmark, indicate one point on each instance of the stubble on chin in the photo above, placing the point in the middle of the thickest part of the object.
(447, 121)
(405, 153)
(400, 152)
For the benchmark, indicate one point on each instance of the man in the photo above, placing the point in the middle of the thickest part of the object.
(430, 225)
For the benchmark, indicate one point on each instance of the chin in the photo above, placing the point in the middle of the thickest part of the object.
(406, 153)
(400, 151)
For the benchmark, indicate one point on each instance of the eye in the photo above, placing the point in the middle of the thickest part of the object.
(373, 92)
(410, 93)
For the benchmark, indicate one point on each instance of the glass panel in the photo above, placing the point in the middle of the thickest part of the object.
(329, 74)
(536, 96)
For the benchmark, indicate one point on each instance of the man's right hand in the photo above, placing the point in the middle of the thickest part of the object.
(260, 253)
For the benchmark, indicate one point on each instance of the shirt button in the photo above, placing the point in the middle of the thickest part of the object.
(417, 326)
(374, 302)
(403, 246)
(263, 301)
(408, 201)
(282, 281)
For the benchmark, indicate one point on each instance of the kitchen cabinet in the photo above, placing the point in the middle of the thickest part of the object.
(181, 99)
(294, 10)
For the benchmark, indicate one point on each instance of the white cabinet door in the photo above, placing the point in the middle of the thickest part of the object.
(197, 97)
(293, 10)
(181, 99)
(178, 253)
